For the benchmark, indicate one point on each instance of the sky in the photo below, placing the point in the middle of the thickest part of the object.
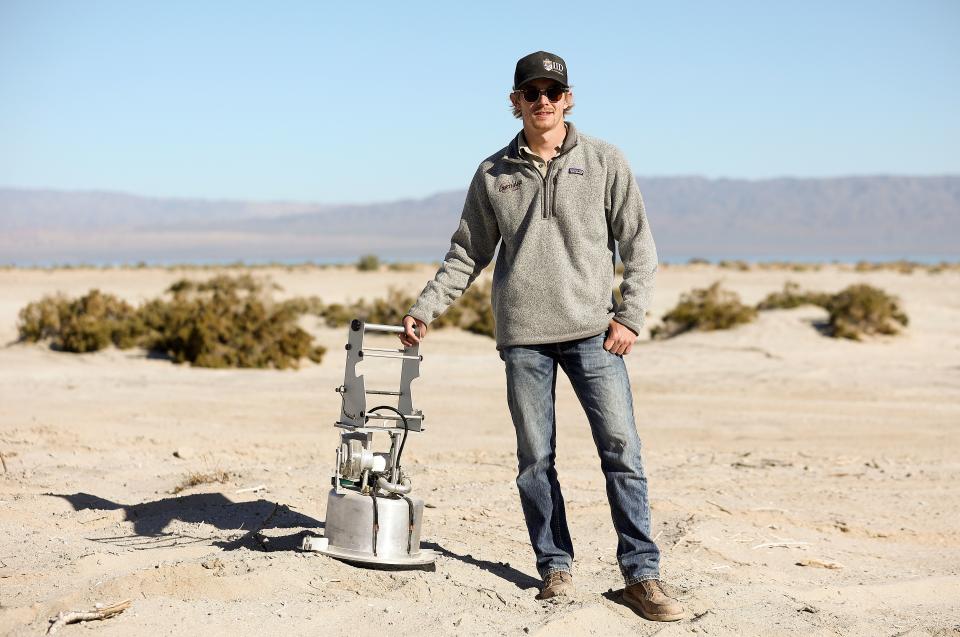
(376, 101)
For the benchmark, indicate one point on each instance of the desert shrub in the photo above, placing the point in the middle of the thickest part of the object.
(902, 266)
(698, 261)
(728, 264)
(85, 324)
(222, 322)
(222, 284)
(862, 309)
(338, 314)
(402, 267)
(793, 266)
(707, 309)
(943, 266)
(305, 305)
(368, 263)
(388, 311)
(196, 478)
(473, 311)
(792, 296)
(227, 322)
(40, 320)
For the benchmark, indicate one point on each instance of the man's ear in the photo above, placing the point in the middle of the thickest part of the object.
(514, 100)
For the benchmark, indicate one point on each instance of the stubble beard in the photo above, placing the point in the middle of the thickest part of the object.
(554, 119)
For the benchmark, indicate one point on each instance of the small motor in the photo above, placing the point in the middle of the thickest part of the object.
(371, 517)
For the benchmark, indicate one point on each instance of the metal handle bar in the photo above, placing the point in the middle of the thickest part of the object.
(377, 327)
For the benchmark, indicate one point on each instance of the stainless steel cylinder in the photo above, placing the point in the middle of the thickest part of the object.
(350, 529)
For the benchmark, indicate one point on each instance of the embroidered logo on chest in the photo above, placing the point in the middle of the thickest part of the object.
(512, 185)
(575, 171)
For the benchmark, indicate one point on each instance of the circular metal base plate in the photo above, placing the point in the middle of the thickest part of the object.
(422, 557)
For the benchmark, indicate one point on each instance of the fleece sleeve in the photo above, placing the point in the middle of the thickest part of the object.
(628, 220)
(471, 249)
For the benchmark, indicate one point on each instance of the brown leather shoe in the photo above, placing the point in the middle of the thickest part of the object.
(649, 599)
(555, 584)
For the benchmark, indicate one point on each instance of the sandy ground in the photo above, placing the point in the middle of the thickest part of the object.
(767, 447)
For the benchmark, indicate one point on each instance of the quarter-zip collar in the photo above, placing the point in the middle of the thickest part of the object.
(513, 149)
(514, 156)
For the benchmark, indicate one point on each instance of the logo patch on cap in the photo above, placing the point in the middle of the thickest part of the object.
(576, 171)
(550, 65)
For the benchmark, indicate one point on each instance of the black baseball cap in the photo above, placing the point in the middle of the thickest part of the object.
(540, 65)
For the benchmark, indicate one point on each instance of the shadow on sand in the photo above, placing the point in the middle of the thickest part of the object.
(247, 519)
(504, 571)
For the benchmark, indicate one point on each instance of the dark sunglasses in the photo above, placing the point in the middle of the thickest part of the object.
(531, 94)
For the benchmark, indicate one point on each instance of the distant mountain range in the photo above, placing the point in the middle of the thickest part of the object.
(880, 217)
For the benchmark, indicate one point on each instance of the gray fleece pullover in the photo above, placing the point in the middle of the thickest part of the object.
(558, 235)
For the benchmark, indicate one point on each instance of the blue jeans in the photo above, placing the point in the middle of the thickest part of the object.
(600, 381)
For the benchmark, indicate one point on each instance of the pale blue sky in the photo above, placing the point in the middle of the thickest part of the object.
(382, 100)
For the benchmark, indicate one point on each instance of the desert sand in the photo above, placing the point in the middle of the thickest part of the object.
(800, 485)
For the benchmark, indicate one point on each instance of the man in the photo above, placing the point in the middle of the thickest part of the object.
(556, 201)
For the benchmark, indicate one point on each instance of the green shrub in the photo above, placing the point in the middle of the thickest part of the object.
(704, 309)
(862, 310)
(40, 320)
(402, 267)
(388, 311)
(222, 322)
(698, 261)
(228, 322)
(792, 296)
(86, 324)
(368, 263)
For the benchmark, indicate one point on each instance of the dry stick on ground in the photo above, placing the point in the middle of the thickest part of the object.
(3, 461)
(254, 533)
(259, 487)
(725, 510)
(820, 564)
(779, 545)
(74, 616)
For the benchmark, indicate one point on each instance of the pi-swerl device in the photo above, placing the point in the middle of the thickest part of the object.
(371, 517)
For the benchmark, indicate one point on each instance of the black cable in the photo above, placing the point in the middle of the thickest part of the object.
(410, 527)
(406, 428)
(376, 520)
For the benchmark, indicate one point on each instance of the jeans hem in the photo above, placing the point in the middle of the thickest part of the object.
(630, 581)
(556, 569)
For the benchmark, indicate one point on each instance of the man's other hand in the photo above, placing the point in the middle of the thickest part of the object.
(620, 339)
(409, 338)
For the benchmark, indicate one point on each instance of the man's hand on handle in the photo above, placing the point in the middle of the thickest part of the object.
(408, 338)
(620, 339)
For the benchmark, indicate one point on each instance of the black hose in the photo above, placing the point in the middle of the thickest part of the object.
(406, 428)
